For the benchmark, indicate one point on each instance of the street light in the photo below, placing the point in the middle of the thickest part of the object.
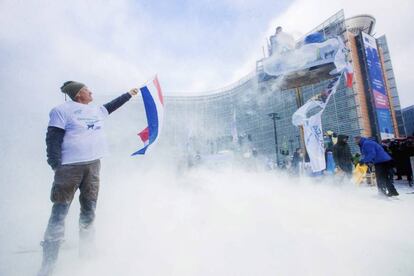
(274, 116)
(291, 145)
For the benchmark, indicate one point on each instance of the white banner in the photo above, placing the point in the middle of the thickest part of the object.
(314, 142)
(312, 125)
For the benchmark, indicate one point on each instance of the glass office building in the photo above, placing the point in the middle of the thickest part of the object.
(408, 114)
(238, 117)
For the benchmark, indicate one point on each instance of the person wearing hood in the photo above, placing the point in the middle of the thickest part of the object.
(342, 154)
(374, 153)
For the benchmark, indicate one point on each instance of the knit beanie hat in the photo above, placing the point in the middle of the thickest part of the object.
(71, 88)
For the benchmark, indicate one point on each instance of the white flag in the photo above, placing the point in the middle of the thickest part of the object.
(314, 142)
(312, 126)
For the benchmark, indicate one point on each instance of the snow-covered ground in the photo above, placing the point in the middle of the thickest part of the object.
(152, 220)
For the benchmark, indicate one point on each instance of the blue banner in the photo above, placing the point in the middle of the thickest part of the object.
(378, 89)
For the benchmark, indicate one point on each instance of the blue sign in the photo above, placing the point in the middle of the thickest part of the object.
(378, 89)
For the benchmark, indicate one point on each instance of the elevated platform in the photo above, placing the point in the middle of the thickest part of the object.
(309, 64)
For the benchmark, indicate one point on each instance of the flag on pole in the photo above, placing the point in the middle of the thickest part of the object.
(349, 75)
(312, 125)
(314, 143)
(154, 109)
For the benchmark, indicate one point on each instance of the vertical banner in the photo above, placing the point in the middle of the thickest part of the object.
(314, 142)
(312, 125)
(377, 85)
(334, 51)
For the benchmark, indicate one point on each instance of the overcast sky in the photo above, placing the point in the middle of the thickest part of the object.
(191, 45)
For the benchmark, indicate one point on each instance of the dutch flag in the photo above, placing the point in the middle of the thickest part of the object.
(154, 109)
(349, 75)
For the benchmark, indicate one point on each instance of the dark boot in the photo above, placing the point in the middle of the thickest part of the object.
(393, 193)
(50, 255)
(391, 190)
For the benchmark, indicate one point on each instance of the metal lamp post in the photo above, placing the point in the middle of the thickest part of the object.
(291, 145)
(274, 116)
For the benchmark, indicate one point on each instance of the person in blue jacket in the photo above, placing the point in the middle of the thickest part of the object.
(374, 153)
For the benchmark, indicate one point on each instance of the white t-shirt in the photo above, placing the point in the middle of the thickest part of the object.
(84, 138)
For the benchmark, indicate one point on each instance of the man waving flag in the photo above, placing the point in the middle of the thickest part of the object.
(154, 109)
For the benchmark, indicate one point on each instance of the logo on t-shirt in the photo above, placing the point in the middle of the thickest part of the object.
(90, 123)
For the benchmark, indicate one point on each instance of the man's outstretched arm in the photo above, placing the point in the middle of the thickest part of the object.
(119, 101)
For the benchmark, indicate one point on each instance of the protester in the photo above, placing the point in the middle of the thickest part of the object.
(75, 142)
(395, 151)
(297, 159)
(373, 153)
(342, 155)
(329, 144)
(330, 163)
(410, 151)
(401, 153)
(307, 167)
(280, 42)
(406, 162)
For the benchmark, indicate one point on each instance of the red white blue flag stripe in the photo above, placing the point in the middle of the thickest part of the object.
(154, 109)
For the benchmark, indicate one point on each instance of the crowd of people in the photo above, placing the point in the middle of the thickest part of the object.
(385, 161)
(390, 159)
(401, 151)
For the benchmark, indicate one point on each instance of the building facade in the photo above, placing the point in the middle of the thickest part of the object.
(239, 117)
(392, 84)
(408, 115)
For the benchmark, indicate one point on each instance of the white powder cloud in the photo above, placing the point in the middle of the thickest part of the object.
(203, 222)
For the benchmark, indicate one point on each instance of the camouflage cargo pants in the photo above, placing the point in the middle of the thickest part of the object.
(69, 178)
